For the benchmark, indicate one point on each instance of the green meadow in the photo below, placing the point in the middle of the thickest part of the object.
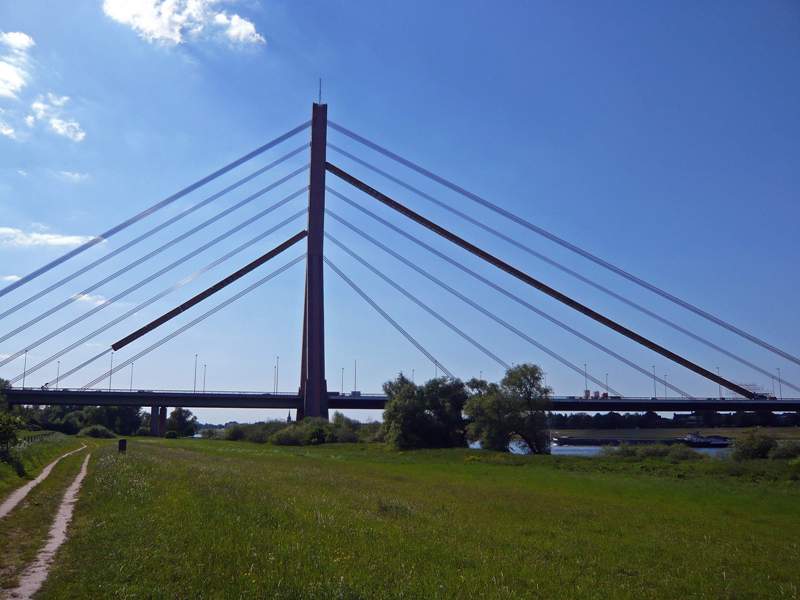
(213, 519)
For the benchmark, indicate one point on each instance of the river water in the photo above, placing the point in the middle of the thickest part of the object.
(595, 451)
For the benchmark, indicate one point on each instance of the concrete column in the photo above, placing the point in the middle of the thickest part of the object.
(162, 421)
(153, 420)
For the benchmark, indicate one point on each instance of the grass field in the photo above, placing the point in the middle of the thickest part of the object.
(34, 457)
(206, 519)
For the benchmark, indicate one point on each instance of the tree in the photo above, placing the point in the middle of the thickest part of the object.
(182, 422)
(427, 416)
(515, 408)
(9, 425)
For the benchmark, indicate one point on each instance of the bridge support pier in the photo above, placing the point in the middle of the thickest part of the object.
(313, 386)
(162, 421)
(153, 420)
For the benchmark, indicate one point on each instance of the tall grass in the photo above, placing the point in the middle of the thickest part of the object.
(216, 519)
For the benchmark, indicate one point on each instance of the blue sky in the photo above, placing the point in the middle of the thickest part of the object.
(663, 137)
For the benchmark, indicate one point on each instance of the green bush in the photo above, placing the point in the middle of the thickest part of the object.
(680, 453)
(753, 445)
(289, 436)
(794, 469)
(96, 431)
(171, 435)
(786, 450)
(643, 452)
(143, 431)
(621, 451)
(208, 434)
(234, 433)
(652, 451)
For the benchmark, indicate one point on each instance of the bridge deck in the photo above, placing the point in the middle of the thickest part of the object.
(336, 401)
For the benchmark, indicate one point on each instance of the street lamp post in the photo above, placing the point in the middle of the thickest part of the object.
(58, 372)
(194, 380)
(111, 371)
(719, 386)
(131, 388)
(204, 377)
(24, 368)
(780, 384)
(655, 393)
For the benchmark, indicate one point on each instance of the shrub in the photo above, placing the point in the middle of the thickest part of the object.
(234, 433)
(143, 431)
(786, 450)
(753, 445)
(208, 434)
(680, 452)
(621, 451)
(794, 469)
(289, 436)
(652, 451)
(96, 431)
(171, 435)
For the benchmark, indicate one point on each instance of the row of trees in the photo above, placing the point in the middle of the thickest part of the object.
(446, 413)
(652, 420)
(122, 420)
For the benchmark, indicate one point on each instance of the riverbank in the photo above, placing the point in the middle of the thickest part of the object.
(194, 518)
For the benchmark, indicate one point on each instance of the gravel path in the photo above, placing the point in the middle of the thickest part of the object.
(19, 494)
(33, 577)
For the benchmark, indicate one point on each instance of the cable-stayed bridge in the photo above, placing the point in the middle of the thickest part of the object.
(313, 397)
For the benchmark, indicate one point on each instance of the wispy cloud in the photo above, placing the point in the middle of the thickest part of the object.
(14, 62)
(94, 299)
(49, 109)
(10, 278)
(72, 176)
(11, 236)
(7, 130)
(172, 22)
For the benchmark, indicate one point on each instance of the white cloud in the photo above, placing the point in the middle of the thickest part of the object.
(10, 278)
(49, 110)
(73, 176)
(11, 236)
(171, 22)
(17, 41)
(94, 299)
(14, 71)
(22, 172)
(70, 129)
(7, 130)
(239, 30)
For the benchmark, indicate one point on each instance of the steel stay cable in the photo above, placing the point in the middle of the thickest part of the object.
(151, 254)
(152, 231)
(195, 321)
(177, 285)
(538, 284)
(566, 244)
(419, 303)
(498, 288)
(158, 206)
(467, 300)
(559, 266)
(155, 275)
(386, 316)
